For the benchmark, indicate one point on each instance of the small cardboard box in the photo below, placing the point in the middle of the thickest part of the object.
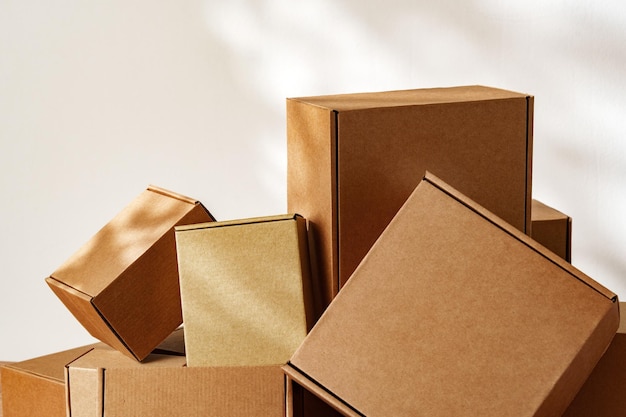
(454, 312)
(36, 387)
(104, 382)
(354, 159)
(122, 285)
(604, 392)
(245, 288)
(552, 229)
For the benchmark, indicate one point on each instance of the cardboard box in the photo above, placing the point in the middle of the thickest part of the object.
(104, 382)
(454, 312)
(604, 392)
(36, 387)
(245, 288)
(354, 159)
(122, 285)
(552, 229)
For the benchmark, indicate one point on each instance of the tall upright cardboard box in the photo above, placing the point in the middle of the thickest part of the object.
(354, 159)
(552, 229)
(454, 312)
(122, 285)
(245, 288)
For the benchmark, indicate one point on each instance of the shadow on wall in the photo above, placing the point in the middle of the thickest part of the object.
(570, 56)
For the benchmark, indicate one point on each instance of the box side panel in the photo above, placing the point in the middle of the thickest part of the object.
(571, 381)
(530, 121)
(554, 234)
(480, 148)
(602, 395)
(28, 395)
(84, 388)
(311, 186)
(242, 293)
(143, 306)
(311, 311)
(80, 306)
(195, 392)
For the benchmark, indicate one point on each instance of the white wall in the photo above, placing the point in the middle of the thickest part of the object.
(100, 99)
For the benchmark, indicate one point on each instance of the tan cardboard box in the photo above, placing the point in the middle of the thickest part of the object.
(354, 159)
(245, 288)
(36, 387)
(122, 285)
(552, 229)
(454, 312)
(104, 382)
(604, 392)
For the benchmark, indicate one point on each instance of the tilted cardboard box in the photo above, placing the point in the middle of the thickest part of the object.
(604, 392)
(245, 288)
(104, 382)
(122, 285)
(454, 312)
(552, 229)
(354, 159)
(36, 387)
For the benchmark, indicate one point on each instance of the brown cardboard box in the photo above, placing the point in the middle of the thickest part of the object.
(354, 159)
(604, 392)
(552, 229)
(245, 290)
(105, 382)
(36, 387)
(1, 364)
(123, 284)
(454, 312)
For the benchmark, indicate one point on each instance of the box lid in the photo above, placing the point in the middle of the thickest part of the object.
(423, 96)
(454, 312)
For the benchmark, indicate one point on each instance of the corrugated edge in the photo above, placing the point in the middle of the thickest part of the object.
(238, 222)
(171, 194)
(294, 374)
(527, 240)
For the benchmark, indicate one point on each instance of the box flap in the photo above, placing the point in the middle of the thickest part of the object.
(454, 312)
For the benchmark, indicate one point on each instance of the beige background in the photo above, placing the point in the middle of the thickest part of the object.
(100, 99)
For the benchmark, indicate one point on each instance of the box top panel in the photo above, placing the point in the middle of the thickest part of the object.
(454, 312)
(543, 212)
(52, 366)
(123, 240)
(359, 101)
(253, 220)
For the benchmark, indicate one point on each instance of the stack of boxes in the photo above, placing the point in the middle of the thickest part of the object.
(418, 278)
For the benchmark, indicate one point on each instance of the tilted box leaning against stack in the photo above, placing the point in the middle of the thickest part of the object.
(354, 159)
(472, 317)
(122, 285)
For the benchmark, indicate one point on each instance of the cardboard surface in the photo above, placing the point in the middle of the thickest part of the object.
(36, 387)
(604, 392)
(245, 290)
(454, 312)
(552, 229)
(105, 382)
(122, 285)
(354, 159)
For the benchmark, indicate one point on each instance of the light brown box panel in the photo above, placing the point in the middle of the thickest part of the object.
(552, 229)
(104, 382)
(122, 285)
(454, 312)
(604, 392)
(354, 159)
(245, 287)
